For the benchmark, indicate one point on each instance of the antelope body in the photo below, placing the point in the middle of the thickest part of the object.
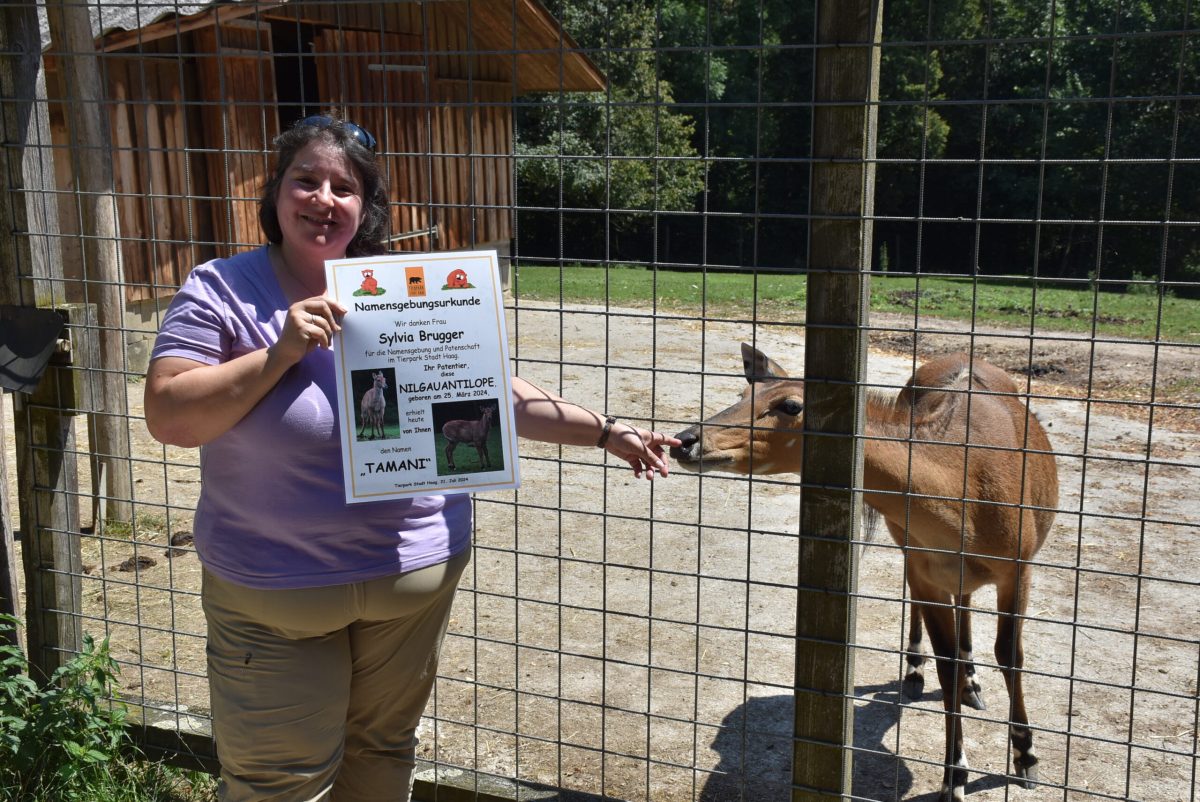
(962, 473)
(474, 432)
(373, 405)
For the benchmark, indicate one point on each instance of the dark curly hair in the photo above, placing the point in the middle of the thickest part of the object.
(368, 240)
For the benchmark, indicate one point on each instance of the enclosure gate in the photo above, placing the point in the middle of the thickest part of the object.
(852, 191)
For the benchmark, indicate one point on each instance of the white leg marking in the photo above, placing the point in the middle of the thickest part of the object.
(959, 792)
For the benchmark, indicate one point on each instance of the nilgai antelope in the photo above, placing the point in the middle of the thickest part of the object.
(373, 405)
(963, 474)
(474, 432)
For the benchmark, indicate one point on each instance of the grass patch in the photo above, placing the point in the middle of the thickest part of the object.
(144, 525)
(1010, 303)
(773, 296)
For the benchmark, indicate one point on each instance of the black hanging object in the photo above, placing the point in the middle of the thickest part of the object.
(27, 338)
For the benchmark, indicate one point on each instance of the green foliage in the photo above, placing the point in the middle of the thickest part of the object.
(66, 741)
(626, 150)
(57, 741)
(1142, 284)
(1007, 133)
(1073, 90)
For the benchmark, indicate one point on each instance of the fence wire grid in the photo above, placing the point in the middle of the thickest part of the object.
(647, 172)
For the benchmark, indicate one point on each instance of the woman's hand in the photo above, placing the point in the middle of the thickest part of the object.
(310, 323)
(643, 450)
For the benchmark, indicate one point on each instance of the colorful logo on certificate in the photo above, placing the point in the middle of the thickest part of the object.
(370, 284)
(415, 279)
(457, 280)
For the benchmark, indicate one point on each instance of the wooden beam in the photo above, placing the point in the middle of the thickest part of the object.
(120, 40)
(846, 87)
(91, 162)
(50, 523)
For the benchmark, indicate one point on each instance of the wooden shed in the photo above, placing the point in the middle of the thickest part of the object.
(196, 96)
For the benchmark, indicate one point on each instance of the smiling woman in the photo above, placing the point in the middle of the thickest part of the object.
(325, 620)
(292, 577)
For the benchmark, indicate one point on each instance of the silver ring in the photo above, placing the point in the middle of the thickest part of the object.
(312, 320)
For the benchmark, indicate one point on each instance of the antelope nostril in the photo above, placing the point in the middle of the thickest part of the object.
(688, 438)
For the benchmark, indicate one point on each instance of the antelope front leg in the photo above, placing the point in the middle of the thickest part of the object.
(971, 690)
(954, 778)
(914, 673)
(1010, 656)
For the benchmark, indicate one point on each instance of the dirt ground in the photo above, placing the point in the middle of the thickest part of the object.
(635, 640)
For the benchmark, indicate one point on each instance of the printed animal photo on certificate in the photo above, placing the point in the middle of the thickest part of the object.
(468, 437)
(377, 416)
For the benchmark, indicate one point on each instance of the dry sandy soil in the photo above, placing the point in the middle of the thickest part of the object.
(633, 640)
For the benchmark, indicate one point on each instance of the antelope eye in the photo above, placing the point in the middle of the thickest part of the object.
(790, 406)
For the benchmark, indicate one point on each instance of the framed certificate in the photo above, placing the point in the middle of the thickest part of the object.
(424, 389)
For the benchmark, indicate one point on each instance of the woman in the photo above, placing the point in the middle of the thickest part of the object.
(324, 619)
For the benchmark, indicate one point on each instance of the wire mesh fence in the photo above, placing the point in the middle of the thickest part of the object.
(647, 170)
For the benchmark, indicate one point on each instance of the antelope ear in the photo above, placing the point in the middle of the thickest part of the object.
(760, 367)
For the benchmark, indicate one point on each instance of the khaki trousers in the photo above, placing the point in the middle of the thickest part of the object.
(317, 693)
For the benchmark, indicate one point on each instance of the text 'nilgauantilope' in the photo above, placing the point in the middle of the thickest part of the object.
(963, 474)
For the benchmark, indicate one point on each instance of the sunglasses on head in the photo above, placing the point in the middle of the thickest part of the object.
(357, 132)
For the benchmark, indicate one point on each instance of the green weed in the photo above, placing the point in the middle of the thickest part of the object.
(66, 741)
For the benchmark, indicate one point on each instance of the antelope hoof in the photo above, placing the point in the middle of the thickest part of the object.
(954, 782)
(1026, 776)
(973, 700)
(913, 686)
(956, 793)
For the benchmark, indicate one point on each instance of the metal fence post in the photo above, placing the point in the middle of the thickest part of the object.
(845, 91)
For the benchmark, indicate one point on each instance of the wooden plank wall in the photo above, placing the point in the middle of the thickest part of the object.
(471, 164)
(389, 103)
(190, 166)
(447, 148)
(158, 213)
(237, 81)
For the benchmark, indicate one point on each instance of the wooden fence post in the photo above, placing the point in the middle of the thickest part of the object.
(50, 517)
(10, 597)
(29, 252)
(91, 163)
(846, 89)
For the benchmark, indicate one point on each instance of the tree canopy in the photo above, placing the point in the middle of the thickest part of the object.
(1054, 138)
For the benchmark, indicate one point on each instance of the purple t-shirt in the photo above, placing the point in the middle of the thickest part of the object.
(272, 510)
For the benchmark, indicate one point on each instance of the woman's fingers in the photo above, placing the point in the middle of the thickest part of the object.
(643, 450)
(314, 321)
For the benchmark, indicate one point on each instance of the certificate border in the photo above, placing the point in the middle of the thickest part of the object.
(511, 479)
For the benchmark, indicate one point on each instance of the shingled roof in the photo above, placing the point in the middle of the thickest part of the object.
(548, 59)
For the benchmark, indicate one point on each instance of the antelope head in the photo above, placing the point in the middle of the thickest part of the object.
(760, 434)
